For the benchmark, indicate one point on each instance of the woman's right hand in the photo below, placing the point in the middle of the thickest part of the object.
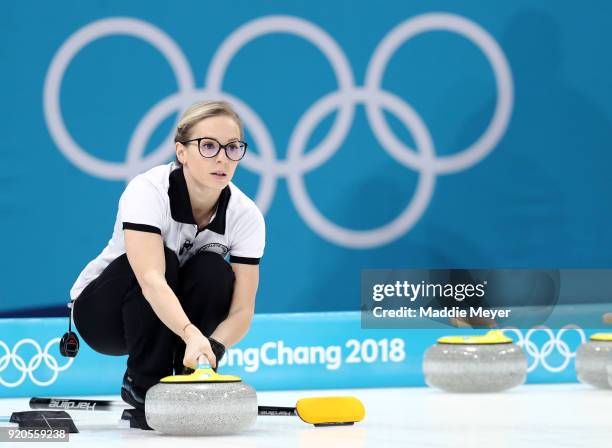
(196, 345)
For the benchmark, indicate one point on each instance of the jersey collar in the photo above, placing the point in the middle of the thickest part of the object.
(180, 205)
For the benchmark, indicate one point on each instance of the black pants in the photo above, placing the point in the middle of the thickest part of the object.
(114, 318)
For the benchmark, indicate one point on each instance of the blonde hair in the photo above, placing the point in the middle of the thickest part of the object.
(201, 110)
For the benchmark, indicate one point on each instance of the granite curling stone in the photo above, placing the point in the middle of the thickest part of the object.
(199, 404)
(488, 363)
(592, 359)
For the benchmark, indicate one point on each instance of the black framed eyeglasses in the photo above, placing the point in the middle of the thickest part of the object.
(209, 147)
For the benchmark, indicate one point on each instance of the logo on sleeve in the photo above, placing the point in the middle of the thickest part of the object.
(217, 248)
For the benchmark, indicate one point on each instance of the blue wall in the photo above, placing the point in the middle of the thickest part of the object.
(537, 195)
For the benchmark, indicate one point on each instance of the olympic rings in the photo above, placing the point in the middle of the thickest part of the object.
(300, 159)
(28, 370)
(539, 355)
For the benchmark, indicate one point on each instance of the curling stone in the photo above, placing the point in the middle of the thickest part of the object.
(592, 359)
(488, 363)
(202, 403)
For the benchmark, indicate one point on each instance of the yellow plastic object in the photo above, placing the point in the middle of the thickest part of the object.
(330, 410)
(491, 337)
(606, 337)
(201, 375)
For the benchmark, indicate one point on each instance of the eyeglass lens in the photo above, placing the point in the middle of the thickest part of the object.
(234, 150)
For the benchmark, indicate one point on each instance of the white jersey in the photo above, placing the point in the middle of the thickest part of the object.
(158, 201)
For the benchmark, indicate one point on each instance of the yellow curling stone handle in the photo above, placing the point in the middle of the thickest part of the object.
(604, 337)
(491, 337)
(203, 374)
